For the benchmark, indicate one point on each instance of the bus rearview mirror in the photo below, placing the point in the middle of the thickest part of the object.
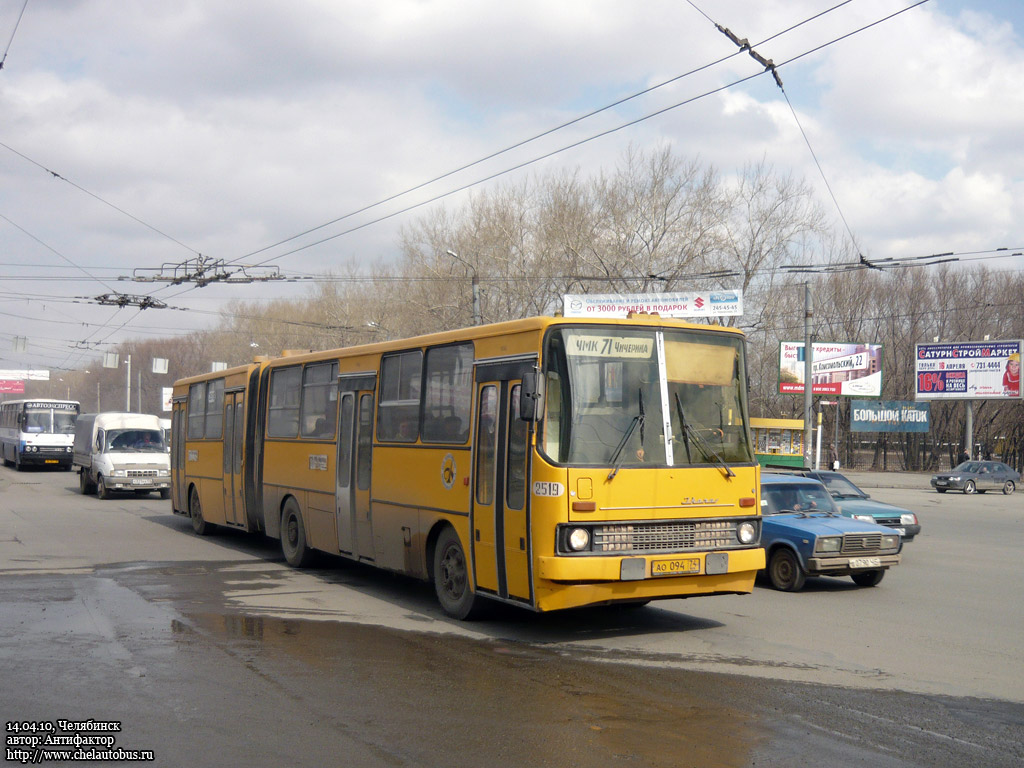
(532, 397)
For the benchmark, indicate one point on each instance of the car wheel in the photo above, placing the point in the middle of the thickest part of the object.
(868, 578)
(970, 487)
(1009, 487)
(101, 488)
(785, 572)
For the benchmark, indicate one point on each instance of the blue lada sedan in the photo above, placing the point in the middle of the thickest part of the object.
(804, 534)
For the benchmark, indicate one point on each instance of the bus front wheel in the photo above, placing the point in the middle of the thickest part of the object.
(451, 577)
(293, 536)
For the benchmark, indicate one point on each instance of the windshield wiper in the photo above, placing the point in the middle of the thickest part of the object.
(709, 453)
(638, 421)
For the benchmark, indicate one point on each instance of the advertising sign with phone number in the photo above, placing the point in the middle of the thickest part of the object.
(982, 370)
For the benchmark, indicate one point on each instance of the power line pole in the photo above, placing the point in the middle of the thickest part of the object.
(808, 354)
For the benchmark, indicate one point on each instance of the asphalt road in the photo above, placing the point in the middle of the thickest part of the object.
(213, 652)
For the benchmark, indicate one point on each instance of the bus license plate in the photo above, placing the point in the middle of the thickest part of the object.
(865, 562)
(675, 566)
(51, 461)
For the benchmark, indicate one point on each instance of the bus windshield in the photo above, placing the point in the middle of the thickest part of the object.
(634, 397)
(49, 421)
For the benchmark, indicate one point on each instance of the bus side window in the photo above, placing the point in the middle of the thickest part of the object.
(398, 410)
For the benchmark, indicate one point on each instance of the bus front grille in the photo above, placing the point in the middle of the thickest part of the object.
(641, 538)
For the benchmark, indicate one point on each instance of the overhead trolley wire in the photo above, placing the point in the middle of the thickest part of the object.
(10, 40)
(526, 141)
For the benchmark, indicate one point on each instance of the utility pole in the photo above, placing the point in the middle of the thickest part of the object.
(808, 354)
(475, 284)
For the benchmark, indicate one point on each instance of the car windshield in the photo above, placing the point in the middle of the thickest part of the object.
(135, 440)
(968, 466)
(841, 488)
(780, 498)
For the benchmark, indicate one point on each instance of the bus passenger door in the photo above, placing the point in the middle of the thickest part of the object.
(344, 509)
(178, 500)
(500, 522)
(234, 432)
(352, 505)
(362, 512)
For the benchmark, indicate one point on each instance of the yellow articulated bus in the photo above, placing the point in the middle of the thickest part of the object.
(547, 462)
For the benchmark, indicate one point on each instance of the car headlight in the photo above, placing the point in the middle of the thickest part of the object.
(578, 539)
(910, 519)
(829, 544)
(165, 473)
(890, 542)
(746, 533)
(955, 478)
(119, 473)
(864, 518)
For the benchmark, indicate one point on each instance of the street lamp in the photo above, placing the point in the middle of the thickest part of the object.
(476, 286)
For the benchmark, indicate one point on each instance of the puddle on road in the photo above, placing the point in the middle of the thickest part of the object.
(518, 704)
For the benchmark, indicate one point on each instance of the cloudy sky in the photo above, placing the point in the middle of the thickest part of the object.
(135, 135)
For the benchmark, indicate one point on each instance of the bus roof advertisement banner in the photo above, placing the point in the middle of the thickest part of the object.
(851, 370)
(890, 416)
(725, 303)
(970, 370)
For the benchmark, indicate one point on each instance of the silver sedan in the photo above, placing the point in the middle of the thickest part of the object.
(977, 477)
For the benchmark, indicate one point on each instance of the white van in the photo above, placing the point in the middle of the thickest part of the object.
(121, 452)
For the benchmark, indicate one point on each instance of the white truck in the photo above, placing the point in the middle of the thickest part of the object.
(121, 452)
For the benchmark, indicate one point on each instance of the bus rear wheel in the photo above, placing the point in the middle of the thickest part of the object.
(451, 577)
(293, 536)
(195, 512)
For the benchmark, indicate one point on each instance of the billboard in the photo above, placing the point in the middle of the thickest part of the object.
(853, 370)
(721, 303)
(890, 416)
(970, 370)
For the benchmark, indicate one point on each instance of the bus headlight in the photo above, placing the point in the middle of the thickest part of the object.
(746, 533)
(578, 539)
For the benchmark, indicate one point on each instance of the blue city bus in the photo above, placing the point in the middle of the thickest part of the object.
(39, 432)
